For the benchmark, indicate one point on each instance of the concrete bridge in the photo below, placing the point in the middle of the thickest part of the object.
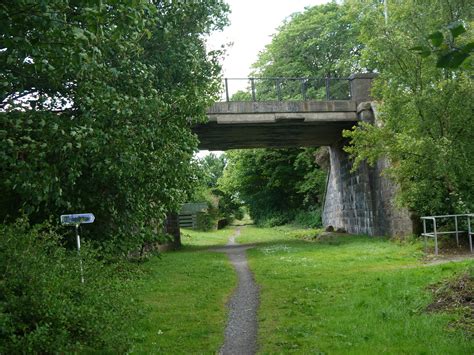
(359, 202)
(276, 124)
(283, 124)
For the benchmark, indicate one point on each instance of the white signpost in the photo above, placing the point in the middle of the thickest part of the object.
(76, 220)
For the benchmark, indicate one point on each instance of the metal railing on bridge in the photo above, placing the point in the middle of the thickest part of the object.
(281, 88)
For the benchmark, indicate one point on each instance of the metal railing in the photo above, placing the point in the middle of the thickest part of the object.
(281, 88)
(434, 234)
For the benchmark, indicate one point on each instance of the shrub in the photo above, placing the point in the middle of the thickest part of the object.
(44, 308)
(206, 221)
(311, 219)
(275, 219)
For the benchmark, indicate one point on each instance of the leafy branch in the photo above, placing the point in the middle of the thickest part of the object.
(443, 44)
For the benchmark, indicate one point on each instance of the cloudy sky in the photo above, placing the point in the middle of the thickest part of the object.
(252, 23)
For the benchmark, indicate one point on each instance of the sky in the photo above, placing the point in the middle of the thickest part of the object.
(252, 24)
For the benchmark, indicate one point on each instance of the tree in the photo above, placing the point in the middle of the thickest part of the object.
(275, 183)
(213, 167)
(319, 42)
(425, 126)
(96, 106)
(450, 54)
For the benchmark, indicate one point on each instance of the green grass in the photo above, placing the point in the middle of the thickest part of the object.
(348, 295)
(198, 239)
(344, 295)
(185, 294)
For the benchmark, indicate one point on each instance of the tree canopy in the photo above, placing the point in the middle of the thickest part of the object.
(97, 102)
(426, 126)
(320, 42)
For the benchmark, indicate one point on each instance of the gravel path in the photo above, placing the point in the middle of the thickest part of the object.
(241, 330)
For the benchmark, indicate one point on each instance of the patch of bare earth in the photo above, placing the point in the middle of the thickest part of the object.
(449, 248)
(456, 296)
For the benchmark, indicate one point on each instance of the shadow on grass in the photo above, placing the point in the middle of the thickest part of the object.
(333, 241)
(286, 237)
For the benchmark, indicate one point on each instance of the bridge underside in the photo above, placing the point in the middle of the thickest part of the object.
(214, 136)
(234, 125)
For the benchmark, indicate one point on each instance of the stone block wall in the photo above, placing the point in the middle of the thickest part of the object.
(389, 219)
(362, 202)
(349, 200)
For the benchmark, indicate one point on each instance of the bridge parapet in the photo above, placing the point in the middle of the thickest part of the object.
(356, 87)
(244, 112)
(287, 88)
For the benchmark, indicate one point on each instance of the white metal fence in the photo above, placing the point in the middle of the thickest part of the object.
(460, 220)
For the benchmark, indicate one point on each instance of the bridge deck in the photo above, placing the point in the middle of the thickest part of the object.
(276, 124)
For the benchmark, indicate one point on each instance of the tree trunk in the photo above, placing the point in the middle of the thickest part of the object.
(172, 228)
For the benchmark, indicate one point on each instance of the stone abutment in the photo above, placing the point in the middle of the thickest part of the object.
(362, 201)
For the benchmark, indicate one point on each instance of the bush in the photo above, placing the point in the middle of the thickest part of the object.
(311, 219)
(206, 221)
(44, 308)
(275, 219)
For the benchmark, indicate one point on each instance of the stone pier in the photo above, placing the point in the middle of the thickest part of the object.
(363, 201)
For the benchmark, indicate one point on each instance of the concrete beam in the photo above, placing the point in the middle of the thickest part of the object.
(247, 118)
(240, 107)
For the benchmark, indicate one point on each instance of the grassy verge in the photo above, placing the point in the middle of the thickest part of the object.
(185, 294)
(196, 239)
(349, 295)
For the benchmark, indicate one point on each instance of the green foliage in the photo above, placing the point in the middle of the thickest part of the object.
(96, 99)
(206, 221)
(319, 42)
(274, 183)
(242, 96)
(221, 204)
(212, 168)
(425, 123)
(44, 308)
(311, 218)
(450, 54)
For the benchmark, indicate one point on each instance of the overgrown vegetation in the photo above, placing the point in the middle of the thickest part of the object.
(278, 186)
(426, 126)
(97, 101)
(223, 207)
(44, 307)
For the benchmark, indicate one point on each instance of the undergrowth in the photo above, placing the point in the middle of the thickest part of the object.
(44, 307)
